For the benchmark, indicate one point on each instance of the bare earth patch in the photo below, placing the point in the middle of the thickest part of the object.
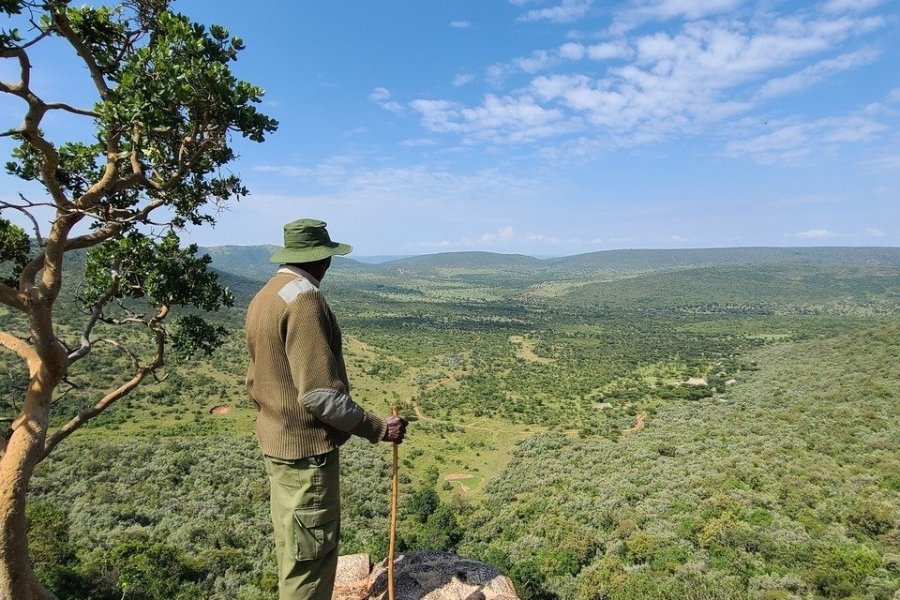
(457, 476)
(526, 350)
(222, 409)
(638, 424)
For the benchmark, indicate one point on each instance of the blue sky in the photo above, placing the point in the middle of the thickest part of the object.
(566, 126)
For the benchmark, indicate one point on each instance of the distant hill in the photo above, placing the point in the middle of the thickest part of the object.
(380, 258)
(467, 260)
(711, 257)
(252, 262)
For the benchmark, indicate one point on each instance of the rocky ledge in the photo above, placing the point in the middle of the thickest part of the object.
(422, 576)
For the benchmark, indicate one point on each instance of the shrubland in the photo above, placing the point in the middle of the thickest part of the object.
(552, 435)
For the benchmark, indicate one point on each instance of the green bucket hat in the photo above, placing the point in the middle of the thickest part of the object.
(307, 240)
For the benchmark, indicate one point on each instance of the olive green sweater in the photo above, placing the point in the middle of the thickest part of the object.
(297, 378)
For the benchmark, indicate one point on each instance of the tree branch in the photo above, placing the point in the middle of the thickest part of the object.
(61, 21)
(24, 67)
(78, 111)
(23, 349)
(96, 313)
(24, 209)
(140, 373)
(108, 400)
(11, 297)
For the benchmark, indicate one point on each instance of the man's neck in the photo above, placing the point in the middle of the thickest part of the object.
(298, 272)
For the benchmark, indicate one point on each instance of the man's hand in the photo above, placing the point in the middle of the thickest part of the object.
(396, 429)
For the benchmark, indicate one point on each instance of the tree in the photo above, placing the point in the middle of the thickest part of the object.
(166, 112)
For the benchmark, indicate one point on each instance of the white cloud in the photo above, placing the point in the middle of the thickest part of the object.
(839, 6)
(503, 235)
(328, 172)
(460, 24)
(794, 142)
(418, 142)
(643, 11)
(875, 232)
(572, 51)
(441, 244)
(462, 79)
(603, 51)
(815, 73)
(342, 177)
(497, 119)
(815, 233)
(538, 61)
(677, 82)
(541, 238)
(608, 50)
(382, 97)
(566, 12)
(894, 96)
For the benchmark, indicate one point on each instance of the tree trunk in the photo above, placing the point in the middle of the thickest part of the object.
(23, 452)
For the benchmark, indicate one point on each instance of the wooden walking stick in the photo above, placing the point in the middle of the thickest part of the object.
(395, 493)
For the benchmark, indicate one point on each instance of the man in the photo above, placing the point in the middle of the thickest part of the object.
(298, 382)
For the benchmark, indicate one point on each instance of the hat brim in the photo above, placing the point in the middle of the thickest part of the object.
(305, 255)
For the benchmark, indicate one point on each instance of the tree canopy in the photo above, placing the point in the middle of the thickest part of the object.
(167, 110)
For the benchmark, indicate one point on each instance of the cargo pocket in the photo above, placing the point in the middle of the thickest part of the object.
(316, 532)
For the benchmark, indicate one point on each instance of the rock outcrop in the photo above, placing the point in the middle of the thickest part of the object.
(422, 576)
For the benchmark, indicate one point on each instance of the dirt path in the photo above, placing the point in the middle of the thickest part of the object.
(638, 424)
(526, 350)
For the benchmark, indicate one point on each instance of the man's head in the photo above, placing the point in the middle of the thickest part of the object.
(316, 268)
(308, 245)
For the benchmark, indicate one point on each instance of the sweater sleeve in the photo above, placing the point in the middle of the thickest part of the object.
(316, 369)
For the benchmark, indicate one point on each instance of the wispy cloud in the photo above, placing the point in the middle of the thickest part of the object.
(642, 11)
(501, 236)
(813, 233)
(382, 97)
(460, 24)
(538, 61)
(566, 12)
(875, 232)
(346, 178)
(462, 79)
(682, 81)
(602, 51)
(499, 119)
(839, 6)
(815, 73)
(418, 142)
(810, 234)
(797, 141)
(329, 172)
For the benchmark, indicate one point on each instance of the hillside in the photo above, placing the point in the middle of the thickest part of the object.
(642, 260)
(552, 434)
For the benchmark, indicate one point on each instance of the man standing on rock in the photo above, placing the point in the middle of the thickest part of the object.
(298, 382)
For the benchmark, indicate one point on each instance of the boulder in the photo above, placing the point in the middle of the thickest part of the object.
(352, 580)
(423, 576)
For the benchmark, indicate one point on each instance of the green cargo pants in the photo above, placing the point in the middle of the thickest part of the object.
(306, 510)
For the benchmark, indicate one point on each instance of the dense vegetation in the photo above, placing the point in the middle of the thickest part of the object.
(553, 432)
